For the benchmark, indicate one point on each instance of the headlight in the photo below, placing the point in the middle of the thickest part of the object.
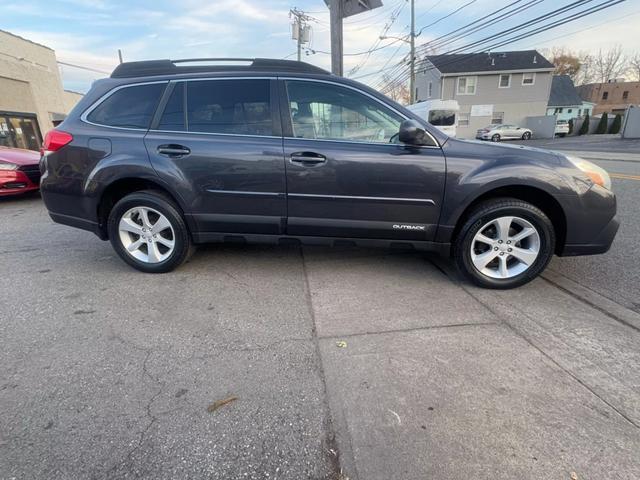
(596, 174)
(7, 166)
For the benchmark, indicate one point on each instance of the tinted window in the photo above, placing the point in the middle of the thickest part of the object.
(130, 107)
(229, 106)
(321, 110)
(442, 118)
(173, 115)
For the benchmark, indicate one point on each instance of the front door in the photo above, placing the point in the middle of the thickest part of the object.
(346, 174)
(218, 143)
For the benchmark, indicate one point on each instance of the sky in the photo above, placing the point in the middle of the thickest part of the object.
(89, 33)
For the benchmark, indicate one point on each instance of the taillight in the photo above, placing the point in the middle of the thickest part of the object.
(54, 140)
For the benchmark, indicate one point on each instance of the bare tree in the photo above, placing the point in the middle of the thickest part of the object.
(587, 73)
(609, 64)
(566, 62)
(398, 91)
(634, 66)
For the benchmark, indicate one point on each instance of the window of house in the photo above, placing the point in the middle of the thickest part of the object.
(129, 107)
(463, 119)
(558, 110)
(497, 117)
(528, 78)
(430, 89)
(569, 110)
(625, 95)
(467, 85)
(504, 80)
(605, 95)
(229, 106)
(327, 111)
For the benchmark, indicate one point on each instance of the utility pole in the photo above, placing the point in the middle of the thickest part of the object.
(300, 31)
(412, 77)
(338, 10)
(335, 19)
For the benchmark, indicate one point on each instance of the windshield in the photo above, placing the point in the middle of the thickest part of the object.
(442, 118)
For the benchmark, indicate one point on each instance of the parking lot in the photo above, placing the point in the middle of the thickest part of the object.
(325, 363)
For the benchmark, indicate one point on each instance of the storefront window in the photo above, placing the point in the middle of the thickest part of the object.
(19, 131)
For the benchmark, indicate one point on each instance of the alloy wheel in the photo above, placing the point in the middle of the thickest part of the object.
(146, 234)
(505, 247)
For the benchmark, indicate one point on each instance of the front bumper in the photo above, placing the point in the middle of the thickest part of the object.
(600, 244)
(14, 182)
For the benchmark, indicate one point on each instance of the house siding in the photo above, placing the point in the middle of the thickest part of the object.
(516, 102)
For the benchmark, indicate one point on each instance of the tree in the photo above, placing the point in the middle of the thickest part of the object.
(603, 124)
(609, 64)
(584, 128)
(634, 66)
(570, 126)
(397, 91)
(616, 125)
(566, 62)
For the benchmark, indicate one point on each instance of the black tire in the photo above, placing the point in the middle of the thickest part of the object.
(526, 136)
(490, 210)
(495, 137)
(183, 246)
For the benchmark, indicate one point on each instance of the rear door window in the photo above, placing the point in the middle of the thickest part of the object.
(128, 107)
(240, 107)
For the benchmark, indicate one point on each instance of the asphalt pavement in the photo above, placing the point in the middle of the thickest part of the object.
(254, 362)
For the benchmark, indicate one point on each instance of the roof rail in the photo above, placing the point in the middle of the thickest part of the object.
(174, 67)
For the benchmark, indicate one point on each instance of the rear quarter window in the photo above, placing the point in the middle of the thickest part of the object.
(128, 107)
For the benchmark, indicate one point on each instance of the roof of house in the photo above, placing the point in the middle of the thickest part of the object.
(490, 61)
(563, 92)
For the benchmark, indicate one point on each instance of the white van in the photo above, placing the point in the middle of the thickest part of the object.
(442, 114)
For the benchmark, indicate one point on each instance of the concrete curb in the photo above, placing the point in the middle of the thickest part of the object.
(599, 302)
(618, 156)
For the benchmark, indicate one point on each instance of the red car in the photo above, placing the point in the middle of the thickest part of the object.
(19, 171)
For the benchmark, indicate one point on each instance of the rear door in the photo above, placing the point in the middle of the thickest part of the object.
(346, 175)
(218, 142)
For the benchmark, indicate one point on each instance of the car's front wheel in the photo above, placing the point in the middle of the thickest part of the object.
(504, 243)
(495, 137)
(148, 232)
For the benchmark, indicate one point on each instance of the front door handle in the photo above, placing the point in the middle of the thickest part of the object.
(173, 150)
(307, 159)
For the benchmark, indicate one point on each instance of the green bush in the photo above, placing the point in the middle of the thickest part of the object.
(616, 125)
(603, 124)
(570, 126)
(584, 128)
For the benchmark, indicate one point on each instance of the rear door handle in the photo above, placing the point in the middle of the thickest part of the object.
(307, 159)
(173, 150)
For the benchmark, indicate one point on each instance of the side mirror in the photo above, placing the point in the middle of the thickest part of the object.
(412, 133)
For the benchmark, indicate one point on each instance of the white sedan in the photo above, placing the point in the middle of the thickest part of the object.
(498, 132)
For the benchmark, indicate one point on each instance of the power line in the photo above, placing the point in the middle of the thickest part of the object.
(447, 16)
(83, 68)
(589, 11)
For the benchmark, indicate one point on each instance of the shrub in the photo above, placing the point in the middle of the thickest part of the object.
(584, 128)
(570, 126)
(603, 124)
(616, 125)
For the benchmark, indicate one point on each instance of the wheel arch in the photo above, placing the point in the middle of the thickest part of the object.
(122, 187)
(533, 195)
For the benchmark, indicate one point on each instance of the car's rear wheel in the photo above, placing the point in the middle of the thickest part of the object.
(495, 137)
(504, 243)
(148, 232)
(526, 135)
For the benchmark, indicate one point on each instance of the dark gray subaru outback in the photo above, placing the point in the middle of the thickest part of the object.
(167, 154)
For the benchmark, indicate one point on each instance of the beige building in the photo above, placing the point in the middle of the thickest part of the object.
(613, 97)
(32, 100)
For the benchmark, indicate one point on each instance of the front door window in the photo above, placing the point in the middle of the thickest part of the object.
(330, 112)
